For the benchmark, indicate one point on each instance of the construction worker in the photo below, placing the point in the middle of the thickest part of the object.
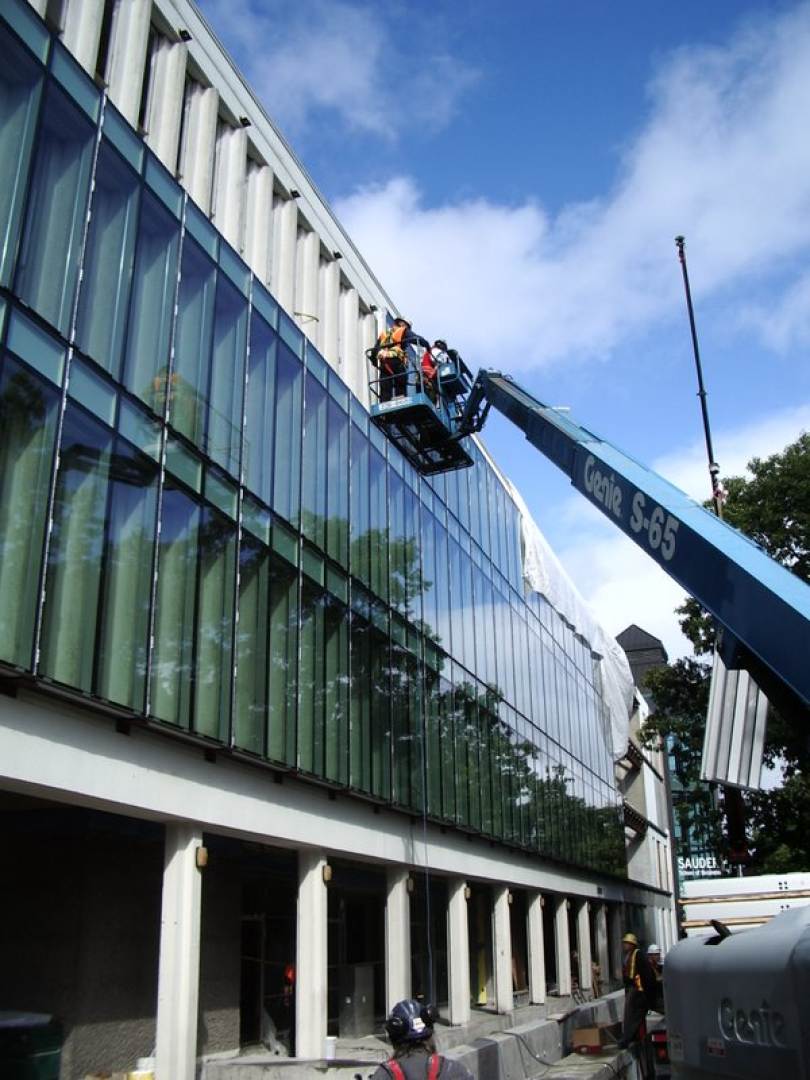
(410, 1029)
(639, 991)
(654, 957)
(432, 359)
(390, 357)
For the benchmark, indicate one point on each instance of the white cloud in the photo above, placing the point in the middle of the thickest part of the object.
(724, 158)
(622, 584)
(785, 326)
(342, 58)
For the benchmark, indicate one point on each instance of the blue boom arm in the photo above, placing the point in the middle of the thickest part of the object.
(763, 607)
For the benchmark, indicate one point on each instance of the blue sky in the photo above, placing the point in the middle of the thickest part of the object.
(516, 173)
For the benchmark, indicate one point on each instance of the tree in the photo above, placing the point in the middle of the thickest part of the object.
(772, 506)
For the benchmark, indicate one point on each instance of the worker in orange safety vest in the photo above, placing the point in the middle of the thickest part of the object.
(639, 990)
(390, 357)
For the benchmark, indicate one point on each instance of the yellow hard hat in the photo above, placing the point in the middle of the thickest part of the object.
(631, 939)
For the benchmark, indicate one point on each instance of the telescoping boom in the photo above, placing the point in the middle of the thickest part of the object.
(764, 609)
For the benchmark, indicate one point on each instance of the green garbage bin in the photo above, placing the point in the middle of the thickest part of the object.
(30, 1046)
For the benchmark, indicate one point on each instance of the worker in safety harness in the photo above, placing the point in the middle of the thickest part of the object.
(410, 1029)
(390, 357)
(639, 991)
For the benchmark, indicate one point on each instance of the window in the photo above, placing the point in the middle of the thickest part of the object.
(20, 91)
(49, 258)
(108, 261)
(29, 410)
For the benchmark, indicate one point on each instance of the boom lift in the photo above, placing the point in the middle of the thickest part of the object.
(763, 609)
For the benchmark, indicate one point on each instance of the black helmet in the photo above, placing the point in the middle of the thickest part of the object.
(439, 344)
(410, 1021)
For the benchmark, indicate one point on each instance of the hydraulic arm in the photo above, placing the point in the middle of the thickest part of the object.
(764, 609)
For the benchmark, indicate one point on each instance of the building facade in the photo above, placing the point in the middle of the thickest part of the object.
(283, 735)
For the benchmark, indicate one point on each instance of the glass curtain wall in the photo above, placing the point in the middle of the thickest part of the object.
(264, 571)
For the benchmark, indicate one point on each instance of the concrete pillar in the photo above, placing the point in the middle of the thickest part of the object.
(397, 938)
(584, 945)
(562, 945)
(616, 932)
(166, 101)
(328, 311)
(502, 949)
(310, 956)
(537, 949)
(349, 344)
(199, 143)
(285, 235)
(179, 963)
(259, 220)
(307, 256)
(82, 31)
(602, 954)
(458, 952)
(228, 212)
(126, 70)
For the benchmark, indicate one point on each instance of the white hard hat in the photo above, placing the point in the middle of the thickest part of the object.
(653, 948)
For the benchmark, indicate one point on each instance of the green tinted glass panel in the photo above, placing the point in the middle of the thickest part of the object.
(337, 484)
(173, 659)
(75, 81)
(58, 192)
(214, 629)
(287, 450)
(224, 439)
(36, 346)
(108, 261)
(32, 30)
(260, 410)
(192, 344)
(126, 588)
(20, 91)
(314, 478)
(75, 554)
(29, 411)
(152, 303)
(94, 392)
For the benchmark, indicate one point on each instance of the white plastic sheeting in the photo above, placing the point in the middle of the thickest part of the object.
(543, 573)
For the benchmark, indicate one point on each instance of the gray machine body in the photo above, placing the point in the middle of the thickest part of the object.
(739, 1007)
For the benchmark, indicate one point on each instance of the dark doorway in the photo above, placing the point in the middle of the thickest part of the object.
(429, 951)
(520, 948)
(480, 928)
(356, 950)
(550, 944)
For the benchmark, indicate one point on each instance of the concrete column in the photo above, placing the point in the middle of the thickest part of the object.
(584, 946)
(259, 220)
(328, 309)
(307, 254)
(458, 953)
(126, 70)
(285, 235)
(310, 956)
(82, 31)
(537, 949)
(602, 954)
(166, 101)
(179, 963)
(616, 932)
(562, 945)
(199, 143)
(502, 949)
(229, 197)
(349, 344)
(397, 938)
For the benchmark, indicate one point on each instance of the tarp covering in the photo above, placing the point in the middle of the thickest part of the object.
(543, 573)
